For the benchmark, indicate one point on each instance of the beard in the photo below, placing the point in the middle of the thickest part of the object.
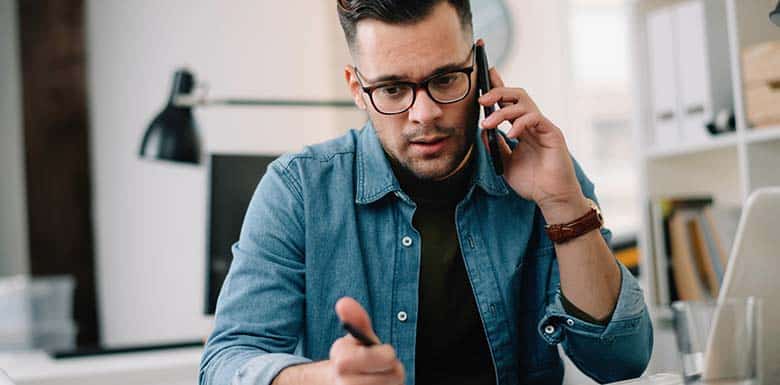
(440, 166)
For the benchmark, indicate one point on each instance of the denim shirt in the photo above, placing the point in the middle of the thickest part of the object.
(332, 221)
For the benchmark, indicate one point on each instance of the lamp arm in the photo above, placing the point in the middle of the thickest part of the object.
(195, 101)
(198, 97)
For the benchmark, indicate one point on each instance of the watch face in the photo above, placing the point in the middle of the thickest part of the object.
(593, 204)
(598, 210)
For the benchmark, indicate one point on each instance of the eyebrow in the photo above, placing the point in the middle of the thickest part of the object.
(439, 70)
(390, 78)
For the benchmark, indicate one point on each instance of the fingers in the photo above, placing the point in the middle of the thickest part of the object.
(509, 113)
(535, 130)
(503, 147)
(505, 150)
(396, 376)
(483, 136)
(350, 311)
(505, 96)
(349, 357)
(352, 363)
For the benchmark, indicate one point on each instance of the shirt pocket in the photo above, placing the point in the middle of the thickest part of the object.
(534, 275)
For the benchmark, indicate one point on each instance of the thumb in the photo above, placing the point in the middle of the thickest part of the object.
(505, 150)
(495, 78)
(348, 310)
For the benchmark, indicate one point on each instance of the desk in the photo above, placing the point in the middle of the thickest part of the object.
(166, 367)
(656, 379)
(169, 367)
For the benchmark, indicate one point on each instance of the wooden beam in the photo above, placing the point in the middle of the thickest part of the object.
(57, 150)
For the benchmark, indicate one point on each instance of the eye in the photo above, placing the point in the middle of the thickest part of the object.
(392, 91)
(445, 80)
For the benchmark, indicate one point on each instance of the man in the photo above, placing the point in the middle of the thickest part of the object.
(406, 220)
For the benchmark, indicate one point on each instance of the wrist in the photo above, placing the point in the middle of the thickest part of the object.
(558, 211)
(318, 372)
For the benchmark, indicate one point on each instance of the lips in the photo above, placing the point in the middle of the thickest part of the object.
(429, 146)
(429, 140)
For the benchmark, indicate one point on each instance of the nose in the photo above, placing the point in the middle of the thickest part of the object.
(424, 110)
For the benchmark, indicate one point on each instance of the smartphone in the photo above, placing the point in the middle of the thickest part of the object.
(483, 83)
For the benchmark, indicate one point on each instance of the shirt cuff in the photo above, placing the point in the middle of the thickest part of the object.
(625, 319)
(572, 309)
(263, 369)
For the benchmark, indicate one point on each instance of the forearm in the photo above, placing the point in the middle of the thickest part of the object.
(314, 373)
(590, 278)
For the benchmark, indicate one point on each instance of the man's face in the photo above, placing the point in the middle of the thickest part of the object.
(430, 139)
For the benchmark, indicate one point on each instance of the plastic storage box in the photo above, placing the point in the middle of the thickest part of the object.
(36, 313)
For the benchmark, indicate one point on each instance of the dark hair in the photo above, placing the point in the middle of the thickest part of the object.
(394, 12)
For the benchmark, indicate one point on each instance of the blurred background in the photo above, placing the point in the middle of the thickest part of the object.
(667, 104)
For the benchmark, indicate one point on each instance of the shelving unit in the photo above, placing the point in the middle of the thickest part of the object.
(727, 167)
(763, 135)
(718, 142)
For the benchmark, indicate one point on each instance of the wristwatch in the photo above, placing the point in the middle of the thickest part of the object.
(592, 220)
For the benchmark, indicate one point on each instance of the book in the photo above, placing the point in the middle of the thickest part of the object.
(690, 238)
(661, 253)
(701, 253)
(724, 221)
(685, 270)
(715, 251)
(661, 210)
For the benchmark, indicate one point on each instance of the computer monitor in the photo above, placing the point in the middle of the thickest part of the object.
(753, 270)
(233, 179)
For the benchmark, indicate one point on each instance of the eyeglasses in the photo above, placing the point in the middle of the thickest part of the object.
(398, 97)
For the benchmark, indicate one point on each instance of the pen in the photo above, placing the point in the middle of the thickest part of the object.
(355, 332)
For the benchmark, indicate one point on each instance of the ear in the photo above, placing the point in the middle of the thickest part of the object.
(354, 87)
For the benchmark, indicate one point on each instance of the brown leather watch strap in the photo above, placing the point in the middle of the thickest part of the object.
(561, 233)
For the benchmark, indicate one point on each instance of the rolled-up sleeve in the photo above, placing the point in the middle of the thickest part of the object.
(260, 311)
(619, 350)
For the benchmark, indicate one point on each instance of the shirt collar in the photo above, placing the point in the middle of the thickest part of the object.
(375, 177)
(486, 177)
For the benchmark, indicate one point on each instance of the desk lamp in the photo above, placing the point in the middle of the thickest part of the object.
(172, 134)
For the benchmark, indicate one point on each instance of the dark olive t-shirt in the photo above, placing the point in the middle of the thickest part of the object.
(451, 346)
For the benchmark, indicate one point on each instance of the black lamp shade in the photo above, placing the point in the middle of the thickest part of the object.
(172, 135)
(775, 15)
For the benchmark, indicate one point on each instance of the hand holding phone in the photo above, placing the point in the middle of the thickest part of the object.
(483, 83)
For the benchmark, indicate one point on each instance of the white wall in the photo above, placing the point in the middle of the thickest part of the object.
(13, 212)
(538, 61)
(150, 217)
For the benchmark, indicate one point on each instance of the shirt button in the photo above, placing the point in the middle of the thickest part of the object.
(570, 322)
(406, 241)
(402, 316)
(549, 329)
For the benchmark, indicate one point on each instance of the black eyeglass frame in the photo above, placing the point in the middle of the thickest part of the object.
(416, 86)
